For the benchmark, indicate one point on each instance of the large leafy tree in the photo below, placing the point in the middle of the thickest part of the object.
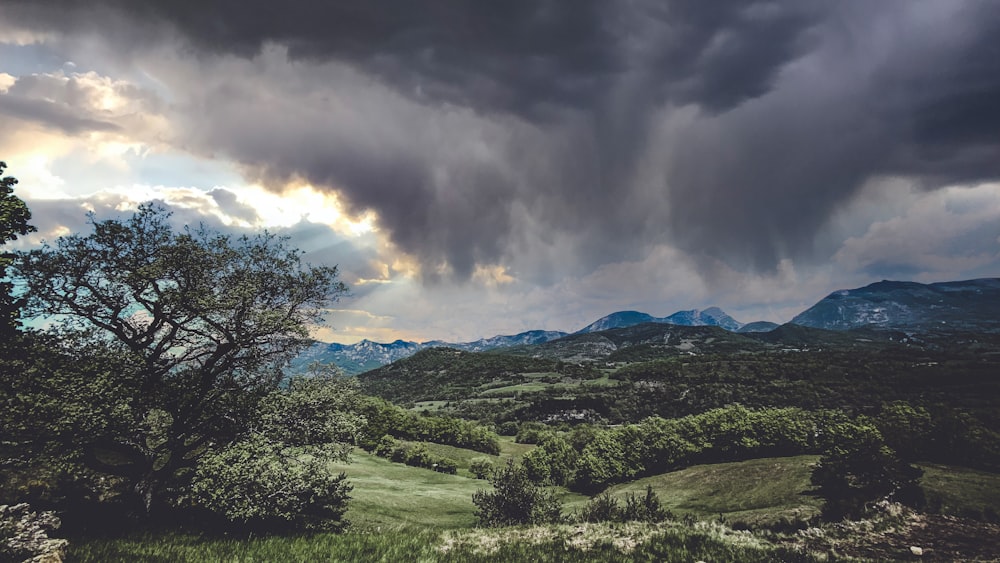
(14, 217)
(207, 320)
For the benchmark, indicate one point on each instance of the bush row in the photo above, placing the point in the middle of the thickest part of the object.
(416, 455)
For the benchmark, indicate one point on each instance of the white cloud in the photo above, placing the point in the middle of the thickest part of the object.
(945, 234)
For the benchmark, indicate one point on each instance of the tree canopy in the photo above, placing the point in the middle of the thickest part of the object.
(14, 217)
(208, 321)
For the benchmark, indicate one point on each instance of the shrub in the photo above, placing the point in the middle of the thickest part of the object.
(605, 508)
(482, 468)
(508, 428)
(267, 486)
(602, 508)
(515, 500)
(385, 446)
(647, 508)
(551, 463)
(445, 465)
(531, 433)
(415, 455)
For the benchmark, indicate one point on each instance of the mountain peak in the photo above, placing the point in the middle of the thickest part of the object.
(712, 316)
(972, 305)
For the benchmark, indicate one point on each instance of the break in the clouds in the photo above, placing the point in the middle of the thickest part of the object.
(690, 151)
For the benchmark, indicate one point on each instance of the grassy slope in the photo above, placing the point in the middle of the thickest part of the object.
(759, 490)
(393, 495)
(399, 513)
(755, 491)
(388, 494)
(766, 490)
(961, 491)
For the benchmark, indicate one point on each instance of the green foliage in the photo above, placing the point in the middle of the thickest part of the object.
(646, 508)
(606, 508)
(319, 407)
(858, 468)
(531, 433)
(656, 445)
(416, 455)
(551, 463)
(383, 418)
(203, 323)
(14, 217)
(509, 428)
(907, 429)
(601, 508)
(265, 485)
(385, 446)
(482, 468)
(515, 500)
(57, 394)
(602, 463)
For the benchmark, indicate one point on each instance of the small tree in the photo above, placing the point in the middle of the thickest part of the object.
(857, 468)
(207, 320)
(515, 500)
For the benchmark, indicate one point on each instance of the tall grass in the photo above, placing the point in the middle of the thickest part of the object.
(598, 543)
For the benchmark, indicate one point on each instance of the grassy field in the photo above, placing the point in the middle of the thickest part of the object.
(402, 513)
(960, 491)
(389, 495)
(752, 492)
(763, 491)
(759, 491)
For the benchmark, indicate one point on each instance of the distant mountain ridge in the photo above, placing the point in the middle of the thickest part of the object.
(367, 355)
(713, 316)
(971, 305)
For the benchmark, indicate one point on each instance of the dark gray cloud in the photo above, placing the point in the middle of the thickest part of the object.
(521, 131)
(51, 114)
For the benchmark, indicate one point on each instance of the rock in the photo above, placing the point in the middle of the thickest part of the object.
(918, 551)
(25, 535)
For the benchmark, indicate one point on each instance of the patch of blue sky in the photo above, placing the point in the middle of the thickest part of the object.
(150, 168)
(25, 60)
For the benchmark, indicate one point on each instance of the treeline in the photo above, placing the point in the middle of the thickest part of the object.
(589, 459)
(383, 418)
(449, 374)
(853, 381)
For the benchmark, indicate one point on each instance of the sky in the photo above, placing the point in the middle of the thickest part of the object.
(482, 168)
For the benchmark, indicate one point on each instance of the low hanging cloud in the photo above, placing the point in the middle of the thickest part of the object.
(556, 137)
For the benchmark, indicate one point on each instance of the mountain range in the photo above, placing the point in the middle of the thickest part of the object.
(968, 306)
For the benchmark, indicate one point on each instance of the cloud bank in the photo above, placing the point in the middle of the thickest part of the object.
(543, 146)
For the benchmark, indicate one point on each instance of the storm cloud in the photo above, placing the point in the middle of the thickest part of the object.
(555, 137)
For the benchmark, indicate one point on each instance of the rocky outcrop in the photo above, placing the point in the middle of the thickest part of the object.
(24, 535)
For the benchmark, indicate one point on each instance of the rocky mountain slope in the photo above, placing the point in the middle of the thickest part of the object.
(367, 355)
(713, 316)
(966, 306)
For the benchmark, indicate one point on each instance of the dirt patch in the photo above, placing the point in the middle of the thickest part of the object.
(907, 536)
(939, 538)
